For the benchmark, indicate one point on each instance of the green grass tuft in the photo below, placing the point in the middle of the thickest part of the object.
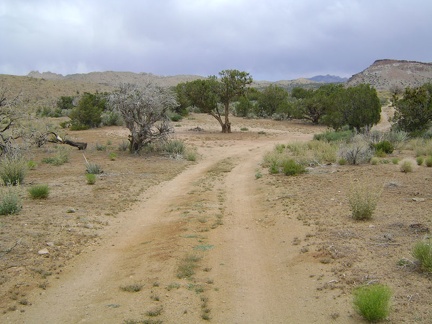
(372, 302)
(39, 191)
(422, 251)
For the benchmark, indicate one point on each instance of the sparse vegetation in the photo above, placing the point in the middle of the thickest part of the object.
(372, 302)
(132, 287)
(187, 266)
(39, 191)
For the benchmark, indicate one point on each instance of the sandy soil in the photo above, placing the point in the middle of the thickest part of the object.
(274, 249)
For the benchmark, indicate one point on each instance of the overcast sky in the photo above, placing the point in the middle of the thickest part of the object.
(270, 39)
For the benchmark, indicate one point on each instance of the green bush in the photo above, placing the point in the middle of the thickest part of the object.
(362, 200)
(428, 161)
(372, 302)
(12, 170)
(91, 178)
(112, 156)
(291, 168)
(10, 202)
(422, 251)
(176, 117)
(31, 165)
(39, 191)
(420, 160)
(384, 146)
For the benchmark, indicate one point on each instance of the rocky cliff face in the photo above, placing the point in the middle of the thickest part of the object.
(391, 74)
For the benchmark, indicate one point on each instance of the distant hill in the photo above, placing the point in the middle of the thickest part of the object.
(389, 74)
(113, 79)
(328, 79)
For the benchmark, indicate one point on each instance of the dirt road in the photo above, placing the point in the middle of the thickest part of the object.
(212, 211)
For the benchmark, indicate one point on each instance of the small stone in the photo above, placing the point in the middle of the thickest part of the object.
(43, 252)
(418, 199)
(50, 244)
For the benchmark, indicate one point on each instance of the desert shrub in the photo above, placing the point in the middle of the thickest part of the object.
(419, 160)
(362, 200)
(100, 147)
(428, 161)
(374, 161)
(112, 156)
(174, 147)
(279, 148)
(372, 301)
(111, 118)
(13, 169)
(396, 138)
(175, 117)
(356, 152)
(334, 136)
(123, 146)
(395, 160)
(323, 152)
(190, 154)
(296, 149)
(10, 202)
(93, 168)
(420, 146)
(384, 146)
(60, 158)
(406, 166)
(39, 191)
(91, 178)
(342, 161)
(274, 167)
(291, 168)
(422, 251)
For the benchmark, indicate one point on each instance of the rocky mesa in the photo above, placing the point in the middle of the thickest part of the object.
(390, 74)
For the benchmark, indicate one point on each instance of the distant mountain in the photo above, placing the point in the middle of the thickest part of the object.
(328, 79)
(388, 74)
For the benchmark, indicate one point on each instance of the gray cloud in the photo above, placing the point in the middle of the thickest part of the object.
(276, 39)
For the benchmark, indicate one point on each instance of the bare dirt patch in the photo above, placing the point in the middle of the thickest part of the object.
(208, 240)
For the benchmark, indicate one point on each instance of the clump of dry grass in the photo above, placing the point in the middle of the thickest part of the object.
(363, 199)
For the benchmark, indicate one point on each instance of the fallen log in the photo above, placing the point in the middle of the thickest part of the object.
(59, 140)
